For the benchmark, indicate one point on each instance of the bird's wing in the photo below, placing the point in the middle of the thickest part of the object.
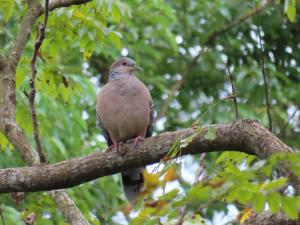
(104, 131)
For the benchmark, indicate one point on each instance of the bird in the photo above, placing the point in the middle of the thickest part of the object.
(124, 110)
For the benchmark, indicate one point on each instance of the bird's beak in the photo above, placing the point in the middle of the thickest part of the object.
(138, 68)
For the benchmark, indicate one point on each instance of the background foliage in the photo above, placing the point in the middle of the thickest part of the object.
(176, 43)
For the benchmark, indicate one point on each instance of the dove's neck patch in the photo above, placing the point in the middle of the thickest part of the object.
(113, 75)
(116, 74)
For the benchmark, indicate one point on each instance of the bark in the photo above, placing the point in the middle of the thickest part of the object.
(267, 218)
(8, 108)
(68, 207)
(244, 135)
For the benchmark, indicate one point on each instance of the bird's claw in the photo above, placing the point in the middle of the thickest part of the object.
(136, 140)
(117, 147)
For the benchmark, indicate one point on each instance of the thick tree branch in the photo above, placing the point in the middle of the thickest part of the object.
(244, 135)
(33, 12)
(267, 218)
(68, 207)
(8, 108)
(54, 4)
(2, 62)
(23, 35)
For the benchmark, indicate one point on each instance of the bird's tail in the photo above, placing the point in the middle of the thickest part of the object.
(133, 181)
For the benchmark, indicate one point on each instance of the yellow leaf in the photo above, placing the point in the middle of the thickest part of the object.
(171, 174)
(155, 204)
(151, 180)
(87, 55)
(78, 15)
(244, 215)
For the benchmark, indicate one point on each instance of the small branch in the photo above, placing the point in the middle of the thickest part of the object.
(243, 135)
(264, 73)
(34, 11)
(68, 208)
(31, 97)
(238, 21)
(284, 128)
(211, 38)
(196, 181)
(23, 35)
(54, 4)
(166, 104)
(233, 93)
(201, 168)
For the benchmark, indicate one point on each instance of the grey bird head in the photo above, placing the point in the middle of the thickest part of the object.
(122, 66)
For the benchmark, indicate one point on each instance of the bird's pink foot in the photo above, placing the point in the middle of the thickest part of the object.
(117, 147)
(113, 147)
(136, 140)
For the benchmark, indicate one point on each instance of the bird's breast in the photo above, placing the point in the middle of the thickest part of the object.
(124, 110)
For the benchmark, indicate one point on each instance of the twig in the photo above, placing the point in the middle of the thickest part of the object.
(2, 217)
(31, 96)
(210, 39)
(233, 93)
(237, 21)
(283, 129)
(196, 181)
(264, 73)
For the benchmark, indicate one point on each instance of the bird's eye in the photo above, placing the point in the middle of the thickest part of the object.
(124, 63)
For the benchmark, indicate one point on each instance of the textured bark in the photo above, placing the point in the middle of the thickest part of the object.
(68, 208)
(244, 135)
(8, 108)
(33, 11)
(266, 218)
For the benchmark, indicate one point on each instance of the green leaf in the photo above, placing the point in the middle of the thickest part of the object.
(211, 134)
(8, 6)
(267, 186)
(274, 201)
(258, 201)
(292, 10)
(115, 38)
(20, 77)
(289, 206)
(223, 157)
(170, 195)
(171, 39)
(116, 14)
(244, 196)
(200, 193)
(3, 141)
(60, 146)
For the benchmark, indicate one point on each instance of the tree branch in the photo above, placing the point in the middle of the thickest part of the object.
(54, 4)
(2, 62)
(31, 96)
(243, 135)
(211, 38)
(33, 11)
(68, 207)
(233, 89)
(263, 70)
(8, 108)
(267, 218)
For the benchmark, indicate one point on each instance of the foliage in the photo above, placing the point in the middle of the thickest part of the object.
(164, 37)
